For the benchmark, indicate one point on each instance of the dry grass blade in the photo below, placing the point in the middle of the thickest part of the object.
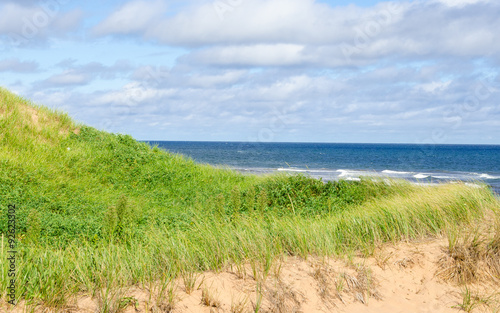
(322, 274)
(493, 252)
(283, 299)
(239, 306)
(382, 259)
(209, 298)
(361, 286)
(405, 263)
(352, 282)
(464, 255)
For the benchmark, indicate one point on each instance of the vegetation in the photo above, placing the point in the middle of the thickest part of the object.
(99, 212)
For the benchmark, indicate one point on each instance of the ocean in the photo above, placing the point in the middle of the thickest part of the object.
(425, 164)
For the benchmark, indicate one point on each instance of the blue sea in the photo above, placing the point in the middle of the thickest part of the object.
(426, 164)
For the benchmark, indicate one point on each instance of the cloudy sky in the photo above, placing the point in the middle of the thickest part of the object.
(262, 70)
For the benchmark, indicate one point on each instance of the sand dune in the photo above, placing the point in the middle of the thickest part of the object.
(397, 278)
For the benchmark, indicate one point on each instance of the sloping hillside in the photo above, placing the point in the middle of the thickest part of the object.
(69, 175)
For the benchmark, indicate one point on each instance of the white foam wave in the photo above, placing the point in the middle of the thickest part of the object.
(442, 177)
(353, 178)
(299, 170)
(343, 173)
(486, 176)
(394, 172)
(321, 171)
(420, 176)
(291, 170)
(351, 173)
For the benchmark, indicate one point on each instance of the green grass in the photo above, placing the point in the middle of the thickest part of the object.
(100, 211)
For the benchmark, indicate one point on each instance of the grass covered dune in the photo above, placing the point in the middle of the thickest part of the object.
(98, 212)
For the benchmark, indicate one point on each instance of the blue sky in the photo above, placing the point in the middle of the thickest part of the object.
(262, 70)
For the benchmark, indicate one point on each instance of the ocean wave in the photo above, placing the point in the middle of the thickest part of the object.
(322, 171)
(395, 172)
(351, 173)
(281, 169)
(353, 178)
(421, 176)
(359, 173)
(299, 170)
(442, 177)
(487, 176)
(343, 173)
(347, 174)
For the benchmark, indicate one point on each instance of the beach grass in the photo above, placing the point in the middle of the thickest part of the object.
(97, 213)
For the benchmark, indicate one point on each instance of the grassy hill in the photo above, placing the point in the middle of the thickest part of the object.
(97, 211)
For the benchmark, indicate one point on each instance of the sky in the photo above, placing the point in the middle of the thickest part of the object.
(262, 70)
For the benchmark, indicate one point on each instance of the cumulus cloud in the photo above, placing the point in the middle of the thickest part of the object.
(67, 78)
(309, 32)
(132, 17)
(461, 3)
(255, 55)
(15, 65)
(434, 87)
(252, 22)
(79, 75)
(28, 23)
(132, 94)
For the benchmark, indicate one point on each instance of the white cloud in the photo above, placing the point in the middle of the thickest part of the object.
(260, 21)
(22, 25)
(15, 65)
(255, 55)
(291, 32)
(132, 17)
(69, 21)
(284, 89)
(79, 75)
(53, 99)
(207, 81)
(461, 3)
(434, 87)
(132, 94)
(67, 78)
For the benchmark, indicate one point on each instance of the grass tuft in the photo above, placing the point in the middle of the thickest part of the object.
(209, 298)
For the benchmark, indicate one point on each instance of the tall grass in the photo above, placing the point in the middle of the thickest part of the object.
(99, 212)
(51, 274)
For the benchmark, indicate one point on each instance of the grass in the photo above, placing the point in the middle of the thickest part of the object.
(472, 255)
(100, 212)
(238, 305)
(209, 297)
(469, 301)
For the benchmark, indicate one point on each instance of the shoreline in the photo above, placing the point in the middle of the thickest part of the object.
(414, 177)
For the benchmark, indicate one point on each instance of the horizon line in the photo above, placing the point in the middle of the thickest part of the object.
(324, 142)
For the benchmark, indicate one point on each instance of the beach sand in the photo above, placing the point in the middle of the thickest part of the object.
(397, 278)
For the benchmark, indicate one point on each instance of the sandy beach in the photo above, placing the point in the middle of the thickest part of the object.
(397, 278)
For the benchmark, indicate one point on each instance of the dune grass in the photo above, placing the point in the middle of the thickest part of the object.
(100, 212)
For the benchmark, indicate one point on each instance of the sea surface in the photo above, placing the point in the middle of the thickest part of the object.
(426, 164)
